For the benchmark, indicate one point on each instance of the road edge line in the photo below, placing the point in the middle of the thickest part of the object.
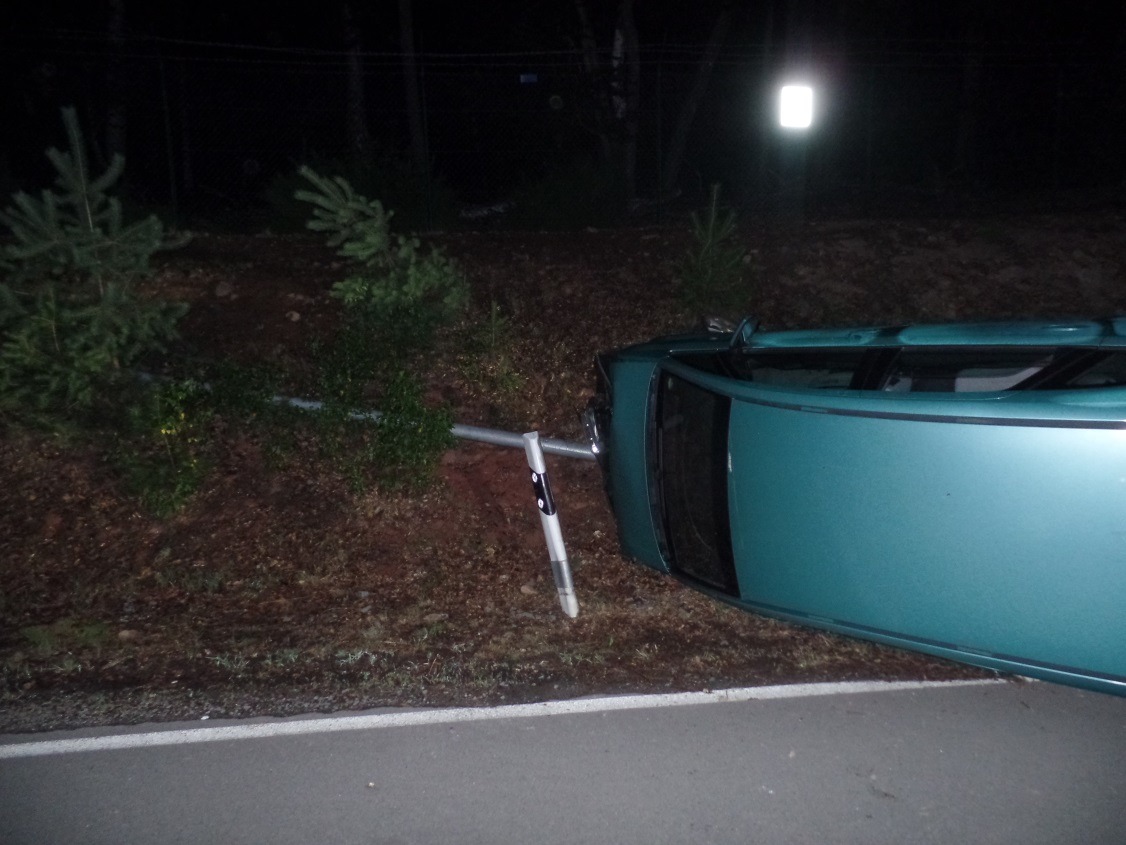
(414, 718)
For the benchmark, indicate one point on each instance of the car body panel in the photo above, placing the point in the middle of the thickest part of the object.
(988, 527)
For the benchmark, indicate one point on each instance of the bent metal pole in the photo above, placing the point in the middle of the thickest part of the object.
(534, 447)
(492, 436)
(563, 448)
(549, 519)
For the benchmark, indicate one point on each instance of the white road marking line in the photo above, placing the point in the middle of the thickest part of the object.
(411, 718)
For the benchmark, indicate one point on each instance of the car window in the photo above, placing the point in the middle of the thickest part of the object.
(918, 369)
(1107, 372)
(922, 370)
(817, 368)
(692, 452)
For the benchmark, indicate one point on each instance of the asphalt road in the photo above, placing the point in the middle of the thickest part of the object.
(996, 763)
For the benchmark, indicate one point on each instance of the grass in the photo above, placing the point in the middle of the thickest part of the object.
(236, 664)
(195, 578)
(66, 635)
(282, 658)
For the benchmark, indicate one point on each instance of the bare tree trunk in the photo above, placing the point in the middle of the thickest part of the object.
(587, 39)
(631, 80)
(116, 82)
(770, 40)
(359, 140)
(615, 92)
(966, 152)
(420, 153)
(187, 174)
(688, 108)
(593, 68)
(1119, 98)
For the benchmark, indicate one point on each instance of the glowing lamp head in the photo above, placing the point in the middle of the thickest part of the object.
(796, 107)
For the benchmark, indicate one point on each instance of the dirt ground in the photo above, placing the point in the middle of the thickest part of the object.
(278, 590)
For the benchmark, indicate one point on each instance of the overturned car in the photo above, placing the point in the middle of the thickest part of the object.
(955, 489)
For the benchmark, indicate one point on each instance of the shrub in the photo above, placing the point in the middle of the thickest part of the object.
(410, 436)
(240, 392)
(70, 319)
(400, 450)
(163, 453)
(347, 366)
(489, 353)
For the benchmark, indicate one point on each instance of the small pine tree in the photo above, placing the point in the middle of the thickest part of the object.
(394, 298)
(398, 291)
(69, 319)
(712, 274)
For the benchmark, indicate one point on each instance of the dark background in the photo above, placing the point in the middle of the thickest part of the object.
(927, 107)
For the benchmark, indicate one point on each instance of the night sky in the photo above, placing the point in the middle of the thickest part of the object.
(986, 98)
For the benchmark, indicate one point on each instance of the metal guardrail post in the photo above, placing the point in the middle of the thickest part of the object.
(549, 519)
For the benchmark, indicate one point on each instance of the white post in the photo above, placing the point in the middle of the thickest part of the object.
(549, 519)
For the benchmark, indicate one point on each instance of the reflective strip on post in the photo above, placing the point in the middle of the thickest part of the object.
(549, 519)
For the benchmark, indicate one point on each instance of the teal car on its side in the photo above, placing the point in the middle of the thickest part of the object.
(955, 489)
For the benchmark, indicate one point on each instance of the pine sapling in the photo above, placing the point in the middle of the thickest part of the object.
(712, 274)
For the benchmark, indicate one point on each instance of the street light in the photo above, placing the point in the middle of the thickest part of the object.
(796, 107)
(795, 117)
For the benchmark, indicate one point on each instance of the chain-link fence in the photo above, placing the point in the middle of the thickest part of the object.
(216, 132)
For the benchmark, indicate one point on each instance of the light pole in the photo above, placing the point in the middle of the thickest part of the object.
(795, 117)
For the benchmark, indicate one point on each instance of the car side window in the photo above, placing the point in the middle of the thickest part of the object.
(923, 370)
(811, 368)
(918, 369)
(1109, 371)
